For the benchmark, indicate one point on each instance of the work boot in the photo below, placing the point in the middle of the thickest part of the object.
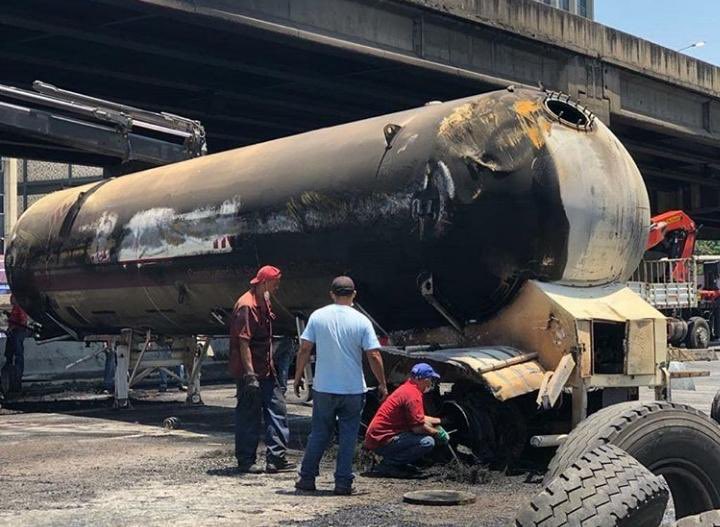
(343, 490)
(279, 464)
(305, 484)
(252, 468)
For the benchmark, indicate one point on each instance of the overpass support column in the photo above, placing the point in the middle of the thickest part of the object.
(587, 83)
(10, 197)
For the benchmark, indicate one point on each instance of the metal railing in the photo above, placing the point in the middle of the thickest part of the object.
(667, 283)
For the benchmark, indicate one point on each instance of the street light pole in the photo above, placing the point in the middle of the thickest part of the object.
(697, 44)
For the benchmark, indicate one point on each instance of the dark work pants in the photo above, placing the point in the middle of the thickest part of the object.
(109, 372)
(250, 413)
(15, 350)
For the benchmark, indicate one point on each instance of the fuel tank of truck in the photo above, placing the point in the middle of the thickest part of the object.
(481, 193)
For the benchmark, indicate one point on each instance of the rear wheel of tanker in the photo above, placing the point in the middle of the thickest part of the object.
(495, 431)
(698, 335)
(672, 440)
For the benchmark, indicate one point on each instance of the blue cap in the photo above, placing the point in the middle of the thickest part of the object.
(424, 371)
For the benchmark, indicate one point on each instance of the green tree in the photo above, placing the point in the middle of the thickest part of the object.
(707, 247)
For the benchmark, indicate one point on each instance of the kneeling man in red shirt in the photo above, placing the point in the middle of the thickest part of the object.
(400, 432)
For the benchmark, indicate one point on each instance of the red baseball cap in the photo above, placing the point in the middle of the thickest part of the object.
(265, 274)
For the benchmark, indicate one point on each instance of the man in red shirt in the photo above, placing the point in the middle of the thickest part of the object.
(400, 432)
(258, 392)
(18, 330)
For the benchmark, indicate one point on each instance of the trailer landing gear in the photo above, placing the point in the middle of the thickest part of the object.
(138, 355)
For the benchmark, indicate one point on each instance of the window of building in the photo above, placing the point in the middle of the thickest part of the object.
(582, 8)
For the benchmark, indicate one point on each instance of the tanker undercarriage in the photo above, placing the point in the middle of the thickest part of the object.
(137, 355)
(539, 367)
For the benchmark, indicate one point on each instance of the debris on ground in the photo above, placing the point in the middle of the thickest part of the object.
(171, 423)
(473, 475)
(366, 516)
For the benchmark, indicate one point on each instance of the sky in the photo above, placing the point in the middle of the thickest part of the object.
(670, 23)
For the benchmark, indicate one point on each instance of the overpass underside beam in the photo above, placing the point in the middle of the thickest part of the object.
(253, 70)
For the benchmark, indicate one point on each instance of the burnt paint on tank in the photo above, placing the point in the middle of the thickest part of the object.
(466, 190)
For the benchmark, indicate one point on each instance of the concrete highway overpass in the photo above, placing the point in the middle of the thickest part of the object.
(253, 70)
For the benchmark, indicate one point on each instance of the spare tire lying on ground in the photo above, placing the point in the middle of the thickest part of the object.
(604, 487)
(715, 407)
(706, 519)
(672, 440)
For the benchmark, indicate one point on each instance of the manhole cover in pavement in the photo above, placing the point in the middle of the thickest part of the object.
(439, 497)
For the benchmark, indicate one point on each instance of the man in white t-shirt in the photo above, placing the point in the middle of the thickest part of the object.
(341, 335)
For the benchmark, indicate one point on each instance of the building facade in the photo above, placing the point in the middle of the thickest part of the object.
(22, 182)
(584, 8)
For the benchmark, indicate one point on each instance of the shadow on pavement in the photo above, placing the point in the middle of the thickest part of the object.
(206, 419)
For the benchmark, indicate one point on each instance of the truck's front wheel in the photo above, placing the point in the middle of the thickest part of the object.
(698, 333)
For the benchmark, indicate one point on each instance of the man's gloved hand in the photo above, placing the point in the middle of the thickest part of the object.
(251, 381)
(446, 421)
(250, 392)
(442, 436)
(298, 384)
(382, 392)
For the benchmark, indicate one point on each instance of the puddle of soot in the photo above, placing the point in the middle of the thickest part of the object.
(473, 475)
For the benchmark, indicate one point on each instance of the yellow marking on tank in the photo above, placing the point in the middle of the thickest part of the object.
(526, 108)
(461, 114)
(531, 123)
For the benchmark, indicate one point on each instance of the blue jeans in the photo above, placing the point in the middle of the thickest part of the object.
(404, 449)
(109, 372)
(179, 371)
(268, 406)
(285, 351)
(327, 409)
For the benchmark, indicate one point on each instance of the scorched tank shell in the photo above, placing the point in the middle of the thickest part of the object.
(482, 193)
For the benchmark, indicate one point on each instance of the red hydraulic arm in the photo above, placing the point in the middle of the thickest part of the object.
(675, 228)
(673, 232)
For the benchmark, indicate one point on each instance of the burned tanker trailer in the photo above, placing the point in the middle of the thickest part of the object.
(487, 235)
(480, 194)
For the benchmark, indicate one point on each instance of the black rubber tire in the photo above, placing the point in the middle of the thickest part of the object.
(677, 331)
(498, 430)
(715, 407)
(605, 487)
(698, 335)
(673, 440)
(706, 519)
